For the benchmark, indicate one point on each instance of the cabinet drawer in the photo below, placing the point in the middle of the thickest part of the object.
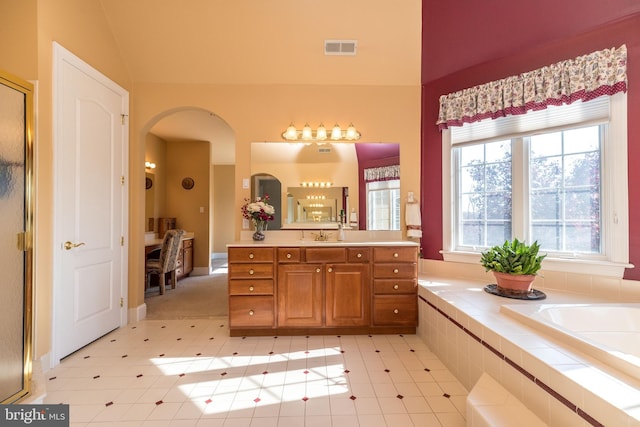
(289, 254)
(395, 270)
(250, 271)
(397, 254)
(249, 311)
(250, 254)
(251, 287)
(395, 310)
(358, 254)
(393, 287)
(326, 254)
(187, 243)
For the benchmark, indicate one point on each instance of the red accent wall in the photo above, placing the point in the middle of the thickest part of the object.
(623, 31)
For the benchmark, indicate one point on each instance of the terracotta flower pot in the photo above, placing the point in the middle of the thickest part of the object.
(514, 284)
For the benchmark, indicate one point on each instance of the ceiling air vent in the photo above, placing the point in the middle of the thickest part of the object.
(340, 47)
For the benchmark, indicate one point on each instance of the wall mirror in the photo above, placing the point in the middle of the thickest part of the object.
(318, 181)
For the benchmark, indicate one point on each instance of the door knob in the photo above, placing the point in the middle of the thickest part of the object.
(69, 245)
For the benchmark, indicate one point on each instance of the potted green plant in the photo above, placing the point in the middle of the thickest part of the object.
(514, 265)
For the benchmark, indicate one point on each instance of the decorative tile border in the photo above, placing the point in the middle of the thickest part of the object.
(566, 402)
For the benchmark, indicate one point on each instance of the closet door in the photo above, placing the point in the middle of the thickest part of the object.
(16, 129)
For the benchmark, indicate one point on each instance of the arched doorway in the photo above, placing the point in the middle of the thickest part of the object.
(193, 151)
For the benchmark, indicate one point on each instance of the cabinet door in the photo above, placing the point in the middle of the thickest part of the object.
(348, 295)
(299, 295)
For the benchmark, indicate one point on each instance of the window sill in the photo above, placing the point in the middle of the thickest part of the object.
(567, 265)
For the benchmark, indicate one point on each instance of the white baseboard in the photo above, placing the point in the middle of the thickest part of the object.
(138, 313)
(216, 255)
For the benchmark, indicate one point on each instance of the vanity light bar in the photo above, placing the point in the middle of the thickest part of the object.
(321, 133)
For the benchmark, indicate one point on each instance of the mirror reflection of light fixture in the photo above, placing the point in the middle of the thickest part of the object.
(149, 165)
(315, 184)
(320, 134)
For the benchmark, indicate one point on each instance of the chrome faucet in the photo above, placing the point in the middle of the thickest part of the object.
(321, 237)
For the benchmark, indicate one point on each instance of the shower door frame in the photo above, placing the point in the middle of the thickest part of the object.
(24, 237)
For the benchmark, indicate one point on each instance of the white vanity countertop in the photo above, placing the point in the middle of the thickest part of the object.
(306, 238)
(313, 243)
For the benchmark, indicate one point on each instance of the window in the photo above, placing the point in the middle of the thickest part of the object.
(383, 205)
(561, 188)
(562, 181)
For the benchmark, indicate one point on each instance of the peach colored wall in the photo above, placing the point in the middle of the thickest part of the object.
(190, 159)
(223, 200)
(18, 32)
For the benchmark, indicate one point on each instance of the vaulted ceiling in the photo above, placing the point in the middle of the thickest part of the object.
(267, 41)
(264, 42)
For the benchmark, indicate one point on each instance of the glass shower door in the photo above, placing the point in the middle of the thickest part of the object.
(16, 116)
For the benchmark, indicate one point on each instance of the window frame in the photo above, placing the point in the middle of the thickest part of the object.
(615, 217)
(393, 215)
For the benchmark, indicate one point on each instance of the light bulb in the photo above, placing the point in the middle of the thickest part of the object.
(321, 133)
(336, 132)
(306, 132)
(291, 133)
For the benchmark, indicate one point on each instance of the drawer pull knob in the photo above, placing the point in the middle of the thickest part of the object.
(250, 312)
(250, 288)
(329, 269)
(359, 256)
(317, 270)
(395, 255)
(251, 271)
(395, 270)
(288, 256)
(396, 311)
(396, 287)
(250, 256)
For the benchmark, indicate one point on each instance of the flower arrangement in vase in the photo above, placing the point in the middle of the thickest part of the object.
(259, 212)
(514, 265)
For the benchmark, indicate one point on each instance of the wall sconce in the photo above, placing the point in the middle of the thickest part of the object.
(315, 184)
(320, 134)
(149, 165)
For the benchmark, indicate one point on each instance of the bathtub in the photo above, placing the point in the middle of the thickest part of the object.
(607, 332)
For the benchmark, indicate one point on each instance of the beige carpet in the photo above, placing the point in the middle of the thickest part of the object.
(194, 297)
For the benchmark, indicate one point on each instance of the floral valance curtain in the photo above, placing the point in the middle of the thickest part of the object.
(384, 173)
(583, 78)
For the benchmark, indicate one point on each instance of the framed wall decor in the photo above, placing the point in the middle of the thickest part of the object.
(188, 183)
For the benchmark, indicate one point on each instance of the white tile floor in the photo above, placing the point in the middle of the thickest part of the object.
(191, 373)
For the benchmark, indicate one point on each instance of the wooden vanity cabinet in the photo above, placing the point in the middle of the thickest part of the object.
(348, 290)
(185, 259)
(395, 286)
(251, 288)
(326, 290)
(299, 290)
(319, 290)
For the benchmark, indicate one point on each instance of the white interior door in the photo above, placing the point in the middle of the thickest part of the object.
(90, 146)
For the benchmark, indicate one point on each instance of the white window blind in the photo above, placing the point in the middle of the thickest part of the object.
(591, 112)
